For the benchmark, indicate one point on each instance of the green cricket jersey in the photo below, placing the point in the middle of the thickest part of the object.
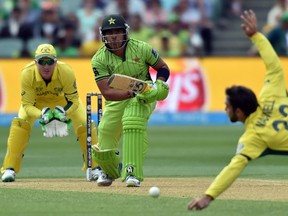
(135, 63)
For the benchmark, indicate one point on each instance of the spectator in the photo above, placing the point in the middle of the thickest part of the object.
(126, 8)
(278, 36)
(165, 42)
(168, 5)
(195, 16)
(236, 7)
(13, 27)
(89, 47)
(88, 15)
(139, 30)
(154, 13)
(67, 44)
(188, 44)
(30, 11)
(49, 23)
(274, 15)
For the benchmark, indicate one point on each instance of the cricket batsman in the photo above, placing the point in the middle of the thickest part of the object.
(265, 119)
(126, 114)
(49, 94)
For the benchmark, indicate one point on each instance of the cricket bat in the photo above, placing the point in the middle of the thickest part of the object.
(123, 82)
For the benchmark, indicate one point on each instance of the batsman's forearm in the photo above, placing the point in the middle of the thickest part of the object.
(227, 176)
(118, 95)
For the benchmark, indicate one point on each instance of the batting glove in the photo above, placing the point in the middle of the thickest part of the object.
(162, 89)
(159, 91)
(60, 114)
(46, 116)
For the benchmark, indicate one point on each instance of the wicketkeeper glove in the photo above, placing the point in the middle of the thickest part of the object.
(48, 129)
(60, 114)
(62, 128)
(62, 124)
(54, 123)
(46, 116)
(159, 91)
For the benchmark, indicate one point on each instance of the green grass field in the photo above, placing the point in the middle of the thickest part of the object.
(175, 152)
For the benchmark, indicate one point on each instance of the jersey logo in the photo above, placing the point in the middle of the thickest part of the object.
(96, 73)
(38, 89)
(58, 89)
(154, 53)
(137, 59)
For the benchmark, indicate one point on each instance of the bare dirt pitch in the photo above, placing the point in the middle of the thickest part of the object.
(242, 189)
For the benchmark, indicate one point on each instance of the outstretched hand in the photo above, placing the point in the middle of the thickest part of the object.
(200, 203)
(249, 24)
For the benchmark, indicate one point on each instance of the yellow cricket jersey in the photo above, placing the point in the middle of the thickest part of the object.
(62, 89)
(266, 130)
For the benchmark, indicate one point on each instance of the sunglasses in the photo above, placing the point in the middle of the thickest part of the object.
(46, 61)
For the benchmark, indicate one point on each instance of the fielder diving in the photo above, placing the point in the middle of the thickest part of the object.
(265, 119)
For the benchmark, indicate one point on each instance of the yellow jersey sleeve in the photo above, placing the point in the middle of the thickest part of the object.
(274, 84)
(227, 176)
(67, 78)
(28, 94)
(252, 142)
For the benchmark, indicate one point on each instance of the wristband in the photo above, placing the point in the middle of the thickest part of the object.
(163, 72)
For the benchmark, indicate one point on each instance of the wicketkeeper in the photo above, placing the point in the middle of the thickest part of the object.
(49, 94)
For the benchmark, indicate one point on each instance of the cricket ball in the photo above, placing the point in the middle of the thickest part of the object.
(154, 192)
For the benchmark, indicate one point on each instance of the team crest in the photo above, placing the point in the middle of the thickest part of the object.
(45, 50)
(111, 21)
(58, 89)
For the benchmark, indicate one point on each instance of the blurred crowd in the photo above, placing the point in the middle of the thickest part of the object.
(276, 28)
(173, 27)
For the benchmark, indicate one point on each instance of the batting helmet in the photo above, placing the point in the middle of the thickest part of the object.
(114, 21)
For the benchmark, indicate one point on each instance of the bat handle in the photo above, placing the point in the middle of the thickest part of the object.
(147, 88)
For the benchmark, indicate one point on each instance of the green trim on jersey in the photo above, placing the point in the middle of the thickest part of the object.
(139, 56)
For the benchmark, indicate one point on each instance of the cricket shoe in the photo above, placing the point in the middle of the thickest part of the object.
(104, 180)
(9, 175)
(131, 181)
(96, 173)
